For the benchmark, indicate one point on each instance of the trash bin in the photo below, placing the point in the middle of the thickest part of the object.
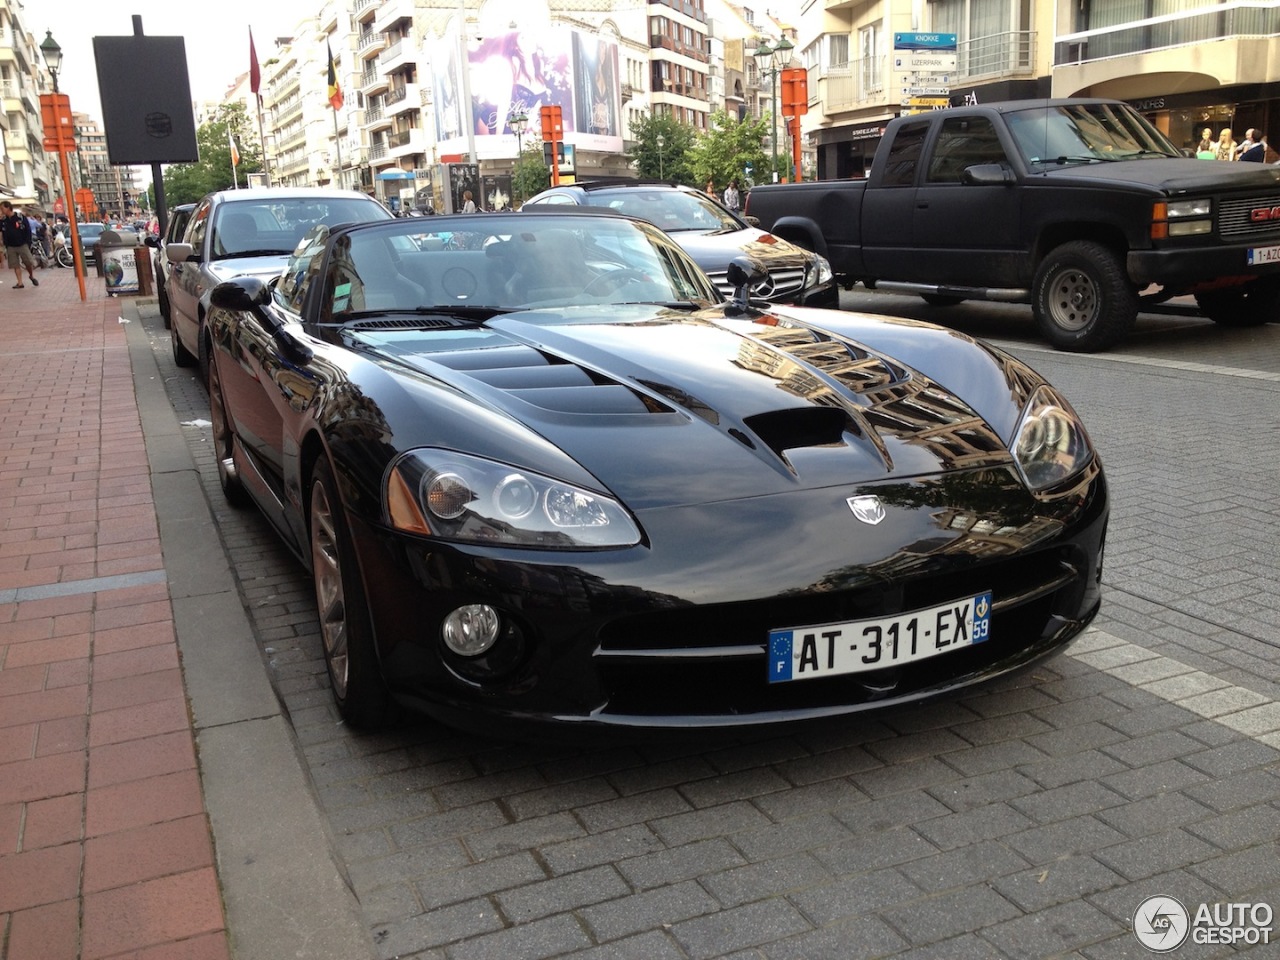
(119, 262)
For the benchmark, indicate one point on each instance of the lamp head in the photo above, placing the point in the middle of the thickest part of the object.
(763, 53)
(52, 54)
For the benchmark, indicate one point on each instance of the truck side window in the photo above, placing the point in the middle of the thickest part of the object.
(904, 155)
(963, 142)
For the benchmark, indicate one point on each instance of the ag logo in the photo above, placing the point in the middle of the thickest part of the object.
(1161, 924)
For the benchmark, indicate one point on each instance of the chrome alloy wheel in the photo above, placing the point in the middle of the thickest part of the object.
(326, 571)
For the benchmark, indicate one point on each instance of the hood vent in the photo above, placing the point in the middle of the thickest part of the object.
(855, 368)
(543, 381)
(783, 430)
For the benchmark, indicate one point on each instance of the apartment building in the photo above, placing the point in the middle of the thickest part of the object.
(26, 177)
(1186, 65)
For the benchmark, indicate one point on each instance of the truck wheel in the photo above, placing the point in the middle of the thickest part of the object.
(940, 299)
(1246, 306)
(1083, 299)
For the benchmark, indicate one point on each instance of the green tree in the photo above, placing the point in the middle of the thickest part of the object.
(530, 174)
(731, 149)
(188, 182)
(662, 149)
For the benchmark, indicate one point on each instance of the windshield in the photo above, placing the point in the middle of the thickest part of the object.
(498, 261)
(275, 225)
(670, 210)
(1087, 133)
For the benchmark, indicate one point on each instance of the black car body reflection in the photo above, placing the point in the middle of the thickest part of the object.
(541, 471)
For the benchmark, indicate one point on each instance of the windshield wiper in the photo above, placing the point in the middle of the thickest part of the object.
(1092, 158)
(460, 311)
(240, 254)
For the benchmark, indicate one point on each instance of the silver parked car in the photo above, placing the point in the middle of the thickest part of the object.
(179, 217)
(245, 232)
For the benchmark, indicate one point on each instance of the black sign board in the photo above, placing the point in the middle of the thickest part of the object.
(146, 99)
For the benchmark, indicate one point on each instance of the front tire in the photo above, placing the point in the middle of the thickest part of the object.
(1083, 299)
(1250, 305)
(345, 627)
(224, 442)
(163, 299)
(181, 355)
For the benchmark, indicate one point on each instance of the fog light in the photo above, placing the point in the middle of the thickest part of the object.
(471, 630)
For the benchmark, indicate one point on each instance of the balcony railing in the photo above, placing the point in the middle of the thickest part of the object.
(403, 138)
(850, 84)
(377, 151)
(998, 54)
(1228, 20)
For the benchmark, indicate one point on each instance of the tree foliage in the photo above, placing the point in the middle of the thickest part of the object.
(188, 182)
(731, 149)
(662, 149)
(530, 175)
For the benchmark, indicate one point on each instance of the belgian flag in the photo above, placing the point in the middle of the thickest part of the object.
(335, 91)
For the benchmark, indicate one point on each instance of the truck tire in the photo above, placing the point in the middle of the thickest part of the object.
(1083, 298)
(1246, 306)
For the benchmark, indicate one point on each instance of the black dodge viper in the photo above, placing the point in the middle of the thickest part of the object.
(542, 472)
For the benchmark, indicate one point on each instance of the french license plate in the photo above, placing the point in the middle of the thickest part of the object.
(856, 646)
(1259, 255)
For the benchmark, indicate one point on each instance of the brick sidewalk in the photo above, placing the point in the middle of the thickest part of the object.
(105, 846)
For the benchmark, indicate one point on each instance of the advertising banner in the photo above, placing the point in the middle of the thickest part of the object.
(518, 72)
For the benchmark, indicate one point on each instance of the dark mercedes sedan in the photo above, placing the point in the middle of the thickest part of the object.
(710, 233)
(541, 472)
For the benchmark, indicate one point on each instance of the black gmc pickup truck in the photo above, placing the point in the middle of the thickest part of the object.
(1080, 207)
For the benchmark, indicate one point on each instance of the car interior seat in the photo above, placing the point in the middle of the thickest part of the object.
(548, 268)
(236, 232)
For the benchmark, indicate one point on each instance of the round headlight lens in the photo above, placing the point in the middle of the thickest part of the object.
(515, 497)
(471, 630)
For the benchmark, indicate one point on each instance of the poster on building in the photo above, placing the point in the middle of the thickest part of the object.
(518, 72)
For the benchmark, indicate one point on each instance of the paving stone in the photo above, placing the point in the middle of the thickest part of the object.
(982, 790)
(1157, 778)
(1250, 826)
(1059, 881)
(610, 847)
(756, 881)
(682, 863)
(728, 930)
(1141, 818)
(950, 914)
(1242, 790)
(653, 945)
(1157, 853)
(524, 835)
(1042, 845)
(977, 863)
(559, 894)
(637, 808)
(857, 940)
(1053, 931)
(728, 818)
(551, 937)
(871, 853)
(790, 836)
(1144, 751)
(856, 896)
(476, 880)
(435, 928)
(971, 826)
(894, 811)
(636, 912)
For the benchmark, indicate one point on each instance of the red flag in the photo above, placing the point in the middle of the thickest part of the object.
(335, 91)
(255, 74)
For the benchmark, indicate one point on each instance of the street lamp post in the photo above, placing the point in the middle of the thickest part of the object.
(518, 122)
(771, 61)
(55, 109)
(661, 141)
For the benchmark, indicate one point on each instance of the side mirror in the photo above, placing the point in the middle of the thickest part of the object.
(743, 273)
(251, 295)
(180, 252)
(988, 175)
(151, 241)
(242, 293)
(752, 221)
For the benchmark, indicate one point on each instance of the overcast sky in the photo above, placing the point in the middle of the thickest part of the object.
(216, 34)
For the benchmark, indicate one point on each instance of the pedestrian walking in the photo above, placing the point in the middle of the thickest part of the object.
(16, 231)
(732, 199)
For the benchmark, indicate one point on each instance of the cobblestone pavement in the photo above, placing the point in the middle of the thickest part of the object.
(1026, 821)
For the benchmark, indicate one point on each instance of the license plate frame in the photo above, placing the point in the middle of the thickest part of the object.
(815, 651)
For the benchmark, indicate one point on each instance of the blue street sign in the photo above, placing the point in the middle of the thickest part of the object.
(924, 41)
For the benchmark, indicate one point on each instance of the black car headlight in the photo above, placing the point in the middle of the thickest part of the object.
(457, 496)
(1050, 445)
